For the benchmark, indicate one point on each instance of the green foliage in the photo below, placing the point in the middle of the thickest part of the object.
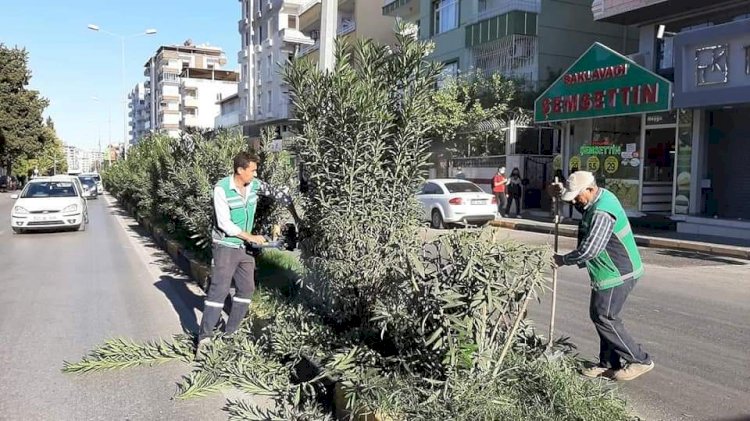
(171, 181)
(363, 146)
(466, 100)
(123, 353)
(277, 169)
(22, 133)
(409, 329)
(50, 159)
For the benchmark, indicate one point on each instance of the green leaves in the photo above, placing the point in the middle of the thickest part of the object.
(22, 133)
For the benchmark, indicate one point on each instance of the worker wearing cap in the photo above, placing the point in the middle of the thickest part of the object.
(607, 248)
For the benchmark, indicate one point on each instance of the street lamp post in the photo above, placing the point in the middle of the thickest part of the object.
(122, 75)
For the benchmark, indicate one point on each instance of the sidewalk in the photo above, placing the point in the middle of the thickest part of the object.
(717, 246)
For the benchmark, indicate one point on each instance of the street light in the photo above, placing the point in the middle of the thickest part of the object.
(122, 38)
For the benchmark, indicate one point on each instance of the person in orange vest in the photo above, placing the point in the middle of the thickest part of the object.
(499, 181)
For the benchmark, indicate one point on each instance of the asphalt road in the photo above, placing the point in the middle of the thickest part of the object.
(691, 312)
(65, 292)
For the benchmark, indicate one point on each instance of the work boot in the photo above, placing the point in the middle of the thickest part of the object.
(633, 371)
(200, 349)
(598, 371)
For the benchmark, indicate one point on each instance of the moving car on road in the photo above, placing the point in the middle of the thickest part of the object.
(453, 201)
(90, 188)
(97, 178)
(50, 202)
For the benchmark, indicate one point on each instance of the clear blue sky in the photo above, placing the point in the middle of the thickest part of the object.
(70, 64)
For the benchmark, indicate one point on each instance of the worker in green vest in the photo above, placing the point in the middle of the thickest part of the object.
(607, 248)
(235, 199)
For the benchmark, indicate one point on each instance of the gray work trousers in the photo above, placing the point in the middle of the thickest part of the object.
(615, 343)
(227, 264)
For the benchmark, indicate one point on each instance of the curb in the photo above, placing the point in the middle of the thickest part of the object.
(641, 240)
(197, 271)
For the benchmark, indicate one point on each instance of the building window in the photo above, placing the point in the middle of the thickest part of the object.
(270, 67)
(270, 101)
(444, 15)
(260, 34)
(482, 6)
(450, 71)
(260, 103)
(291, 22)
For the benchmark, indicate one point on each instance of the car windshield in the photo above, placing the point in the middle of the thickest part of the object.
(87, 181)
(49, 189)
(462, 188)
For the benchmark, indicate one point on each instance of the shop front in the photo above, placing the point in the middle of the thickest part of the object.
(712, 80)
(616, 121)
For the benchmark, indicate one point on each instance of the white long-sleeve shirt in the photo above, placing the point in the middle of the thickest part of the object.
(221, 206)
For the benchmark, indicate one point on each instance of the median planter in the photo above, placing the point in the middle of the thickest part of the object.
(200, 272)
(173, 248)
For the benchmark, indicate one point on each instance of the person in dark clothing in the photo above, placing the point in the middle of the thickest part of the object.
(460, 174)
(514, 192)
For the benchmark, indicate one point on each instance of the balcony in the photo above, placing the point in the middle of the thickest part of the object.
(293, 36)
(401, 8)
(497, 27)
(346, 28)
(190, 102)
(501, 7)
(242, 24)
(631, 12)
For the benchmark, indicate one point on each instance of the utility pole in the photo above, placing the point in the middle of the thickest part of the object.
(328, 19)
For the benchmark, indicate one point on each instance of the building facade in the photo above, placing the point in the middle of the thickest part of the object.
(667, 127)
(230, 112)
(164, 85)
(201, 91)
(139, 113)
(273, 31)
(528, 40)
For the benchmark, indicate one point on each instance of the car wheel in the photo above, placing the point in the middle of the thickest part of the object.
(436, 221)
(81, 226)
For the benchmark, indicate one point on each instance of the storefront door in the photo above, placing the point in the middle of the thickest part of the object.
(659, 153)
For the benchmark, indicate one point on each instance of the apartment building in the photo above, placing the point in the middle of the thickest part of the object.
(165, 85)
(230, 112)
(273, 31)
(201, 91)
(139, 113)
(530, 40)
(695, 151)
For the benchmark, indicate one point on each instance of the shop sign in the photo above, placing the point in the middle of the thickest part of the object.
(601, 83)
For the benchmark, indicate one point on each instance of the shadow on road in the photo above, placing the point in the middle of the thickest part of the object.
(700, 256)
(184, 301)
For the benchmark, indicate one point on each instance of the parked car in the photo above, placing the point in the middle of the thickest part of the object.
(50, 202)
(453, 201)
(4, 183)
(97, 178)
(90, 188)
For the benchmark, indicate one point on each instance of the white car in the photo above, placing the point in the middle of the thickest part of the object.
(97, 178)
(50, 202)
(454, 201)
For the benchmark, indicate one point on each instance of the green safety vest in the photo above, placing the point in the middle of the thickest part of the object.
(241, 211)
(620, 260)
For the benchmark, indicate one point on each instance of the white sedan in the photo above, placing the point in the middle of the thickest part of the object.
(50, 202)
(453, 201)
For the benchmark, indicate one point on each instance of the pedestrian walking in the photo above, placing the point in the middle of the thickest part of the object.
(514, 190)
(499, 181)
(606, 247)
(235, 198)
(460, 174)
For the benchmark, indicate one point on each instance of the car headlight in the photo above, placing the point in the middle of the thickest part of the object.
(20, 211)
(71, 208)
